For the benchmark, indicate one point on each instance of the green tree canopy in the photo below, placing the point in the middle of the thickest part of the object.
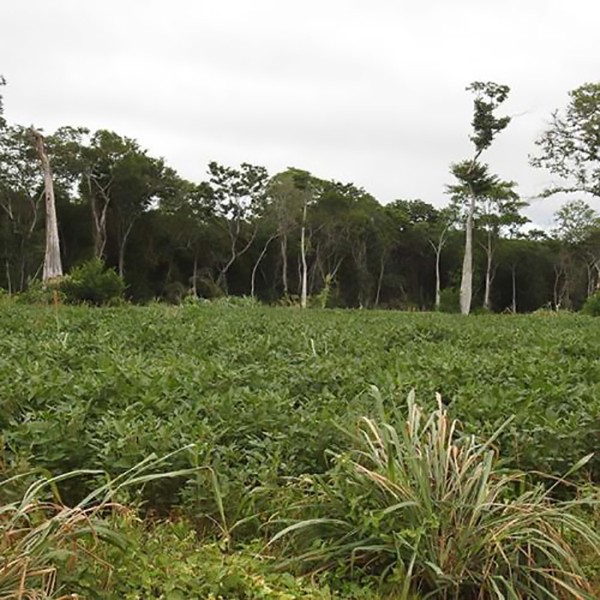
(570, 147)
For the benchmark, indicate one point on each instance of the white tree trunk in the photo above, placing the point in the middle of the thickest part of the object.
(284, 265)
(52, 261)
(438, 285)
(487, 303)
(379, 279)
(304, 291)
(257, 263)
(466, 284)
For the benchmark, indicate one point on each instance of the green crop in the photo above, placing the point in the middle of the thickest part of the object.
(264, 396)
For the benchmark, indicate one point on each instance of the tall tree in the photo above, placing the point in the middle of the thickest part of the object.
(488, 96)
(239, 199)
(92, 160)
(138, 182)
(497, 209)
(438, 232)
(286, 203)
(52, 261)
(302, 182)
(570, 147)
(21, 193)
(577, 229)
(190, 213)
(115, 176)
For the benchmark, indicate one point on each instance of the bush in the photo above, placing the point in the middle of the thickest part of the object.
(592, 305)
(426, 509)
(93, 283)
(450, 300)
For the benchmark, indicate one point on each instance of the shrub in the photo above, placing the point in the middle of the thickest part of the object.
(428, 510)
(93, 283)
(592, 305)
(450, 300)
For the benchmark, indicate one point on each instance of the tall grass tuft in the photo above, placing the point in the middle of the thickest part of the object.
(40, 535)
(430, 512)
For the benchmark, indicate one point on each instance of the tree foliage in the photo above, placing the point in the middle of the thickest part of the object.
(570, 147)
(488, 96)
(282, 236)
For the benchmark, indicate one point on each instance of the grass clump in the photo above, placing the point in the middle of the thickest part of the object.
(427, 510)
(45, 544)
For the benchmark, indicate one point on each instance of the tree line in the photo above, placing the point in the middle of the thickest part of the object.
(292, 237)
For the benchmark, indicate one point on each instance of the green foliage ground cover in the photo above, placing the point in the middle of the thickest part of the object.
(264, 393)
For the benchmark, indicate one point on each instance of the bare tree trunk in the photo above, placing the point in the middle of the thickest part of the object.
(122, 247)
(438, 278)
(8, 277)
(284, 265)
(379, 279)
(52, 261)
(593, 268)
(235, 254)
(257, 263)
(99, 201)
(438, 285)
(487, 304)
(466, 284)
(303, 294)
(438, 248)
(590, 279)
(557, 274)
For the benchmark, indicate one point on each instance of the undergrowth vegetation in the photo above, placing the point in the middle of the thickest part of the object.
(262, 400)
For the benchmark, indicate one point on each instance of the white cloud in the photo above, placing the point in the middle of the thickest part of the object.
(366, 92)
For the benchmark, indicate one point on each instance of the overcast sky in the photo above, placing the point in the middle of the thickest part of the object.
(371, 93)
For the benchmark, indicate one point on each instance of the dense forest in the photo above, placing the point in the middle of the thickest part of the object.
(293, 237)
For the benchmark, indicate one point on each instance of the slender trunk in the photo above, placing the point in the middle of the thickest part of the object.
(99, 201)
(284, 265)
(487, 304)
(380, 279)
(437, 248)
(52, 261)
(557, 274)
(303, 294)
(195, 276)
(257, 263)
(590, 279)
(235, 254)
(8, 277)
(122, 247)
(514, 288)
(438, 285)
(466, 284)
